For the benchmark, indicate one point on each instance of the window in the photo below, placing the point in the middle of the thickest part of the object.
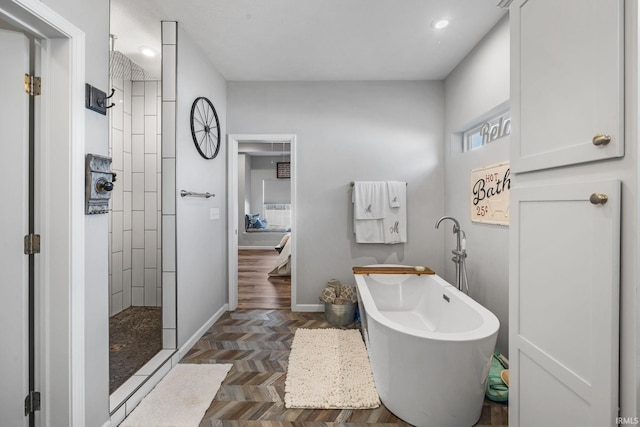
(494, 128)
(276, 191)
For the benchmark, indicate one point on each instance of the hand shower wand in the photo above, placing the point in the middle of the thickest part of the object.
(459, 254)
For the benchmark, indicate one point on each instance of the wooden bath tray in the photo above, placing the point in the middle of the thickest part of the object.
(391, 270)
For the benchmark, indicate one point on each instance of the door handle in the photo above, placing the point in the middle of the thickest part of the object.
(601, 139)
(102, 186)
(598, 199)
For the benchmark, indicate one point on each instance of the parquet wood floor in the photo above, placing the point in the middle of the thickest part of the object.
(257, 344)
(255, 288)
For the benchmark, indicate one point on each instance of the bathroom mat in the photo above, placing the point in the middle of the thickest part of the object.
(181, 398)
(329, 369)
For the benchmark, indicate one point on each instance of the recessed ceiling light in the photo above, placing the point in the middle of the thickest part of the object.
(147, 51)
(439, 24)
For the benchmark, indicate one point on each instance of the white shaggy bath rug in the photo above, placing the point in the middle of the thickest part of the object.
(181, 398)
(329, 368)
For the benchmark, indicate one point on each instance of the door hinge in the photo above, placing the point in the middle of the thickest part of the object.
(32, 402)
(32, 85)
(31, 244)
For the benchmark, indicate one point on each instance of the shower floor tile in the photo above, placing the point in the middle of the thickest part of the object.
(135, 336)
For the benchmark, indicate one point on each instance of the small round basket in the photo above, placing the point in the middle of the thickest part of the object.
(340, 314)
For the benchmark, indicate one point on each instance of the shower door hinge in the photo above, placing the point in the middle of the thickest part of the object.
(32, 402)
(32, 85)
(31, 244)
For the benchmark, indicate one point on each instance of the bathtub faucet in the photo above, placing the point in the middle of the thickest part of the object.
(459, 254)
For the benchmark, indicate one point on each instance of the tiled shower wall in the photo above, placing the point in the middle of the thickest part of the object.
(135, 226)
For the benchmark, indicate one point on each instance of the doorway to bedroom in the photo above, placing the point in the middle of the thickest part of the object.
(261, 216)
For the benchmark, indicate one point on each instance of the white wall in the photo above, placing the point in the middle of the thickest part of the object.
(252, 171)
(263, 168)
(350, 131)
(135, 138)
(479, 84)
(244, 191)
(120, 205)
(146, 228)
(201, 242)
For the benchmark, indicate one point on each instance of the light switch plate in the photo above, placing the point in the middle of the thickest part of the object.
(214, 213)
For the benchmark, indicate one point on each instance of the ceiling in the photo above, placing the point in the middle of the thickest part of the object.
(306, 40)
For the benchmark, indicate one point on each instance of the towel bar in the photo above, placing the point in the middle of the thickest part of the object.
(353, 183)
(185, 193)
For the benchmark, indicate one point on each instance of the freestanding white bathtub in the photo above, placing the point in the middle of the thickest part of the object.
(430, 347)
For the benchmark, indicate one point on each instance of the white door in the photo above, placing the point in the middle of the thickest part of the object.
(564, 305)
(567, 71)
(14, 215)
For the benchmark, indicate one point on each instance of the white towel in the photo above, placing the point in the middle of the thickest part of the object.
(394, 188)
(368, 230)
(394, 224)
(369, 200)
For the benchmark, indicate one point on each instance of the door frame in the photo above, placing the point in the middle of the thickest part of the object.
(59, 216)
(232, 208)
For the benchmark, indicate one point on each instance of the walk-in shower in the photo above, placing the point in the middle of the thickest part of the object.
(135, 274)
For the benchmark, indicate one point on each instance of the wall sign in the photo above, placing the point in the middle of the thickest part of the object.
(283, 170)
(495, 128)
(490, 131)
(490, 190)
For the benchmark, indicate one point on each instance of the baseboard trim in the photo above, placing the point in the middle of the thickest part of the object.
(313, 308)
(200, 332)
(258, 247)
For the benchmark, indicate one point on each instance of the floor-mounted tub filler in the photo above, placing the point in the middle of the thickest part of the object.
(429, 344)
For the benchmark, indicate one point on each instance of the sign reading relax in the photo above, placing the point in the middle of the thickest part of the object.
(492, 131)
(490, 189)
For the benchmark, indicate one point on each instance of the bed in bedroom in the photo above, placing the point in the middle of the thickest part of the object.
(283, 263)
(273, 225)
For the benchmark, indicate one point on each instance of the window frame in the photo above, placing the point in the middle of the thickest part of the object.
(503, 122)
